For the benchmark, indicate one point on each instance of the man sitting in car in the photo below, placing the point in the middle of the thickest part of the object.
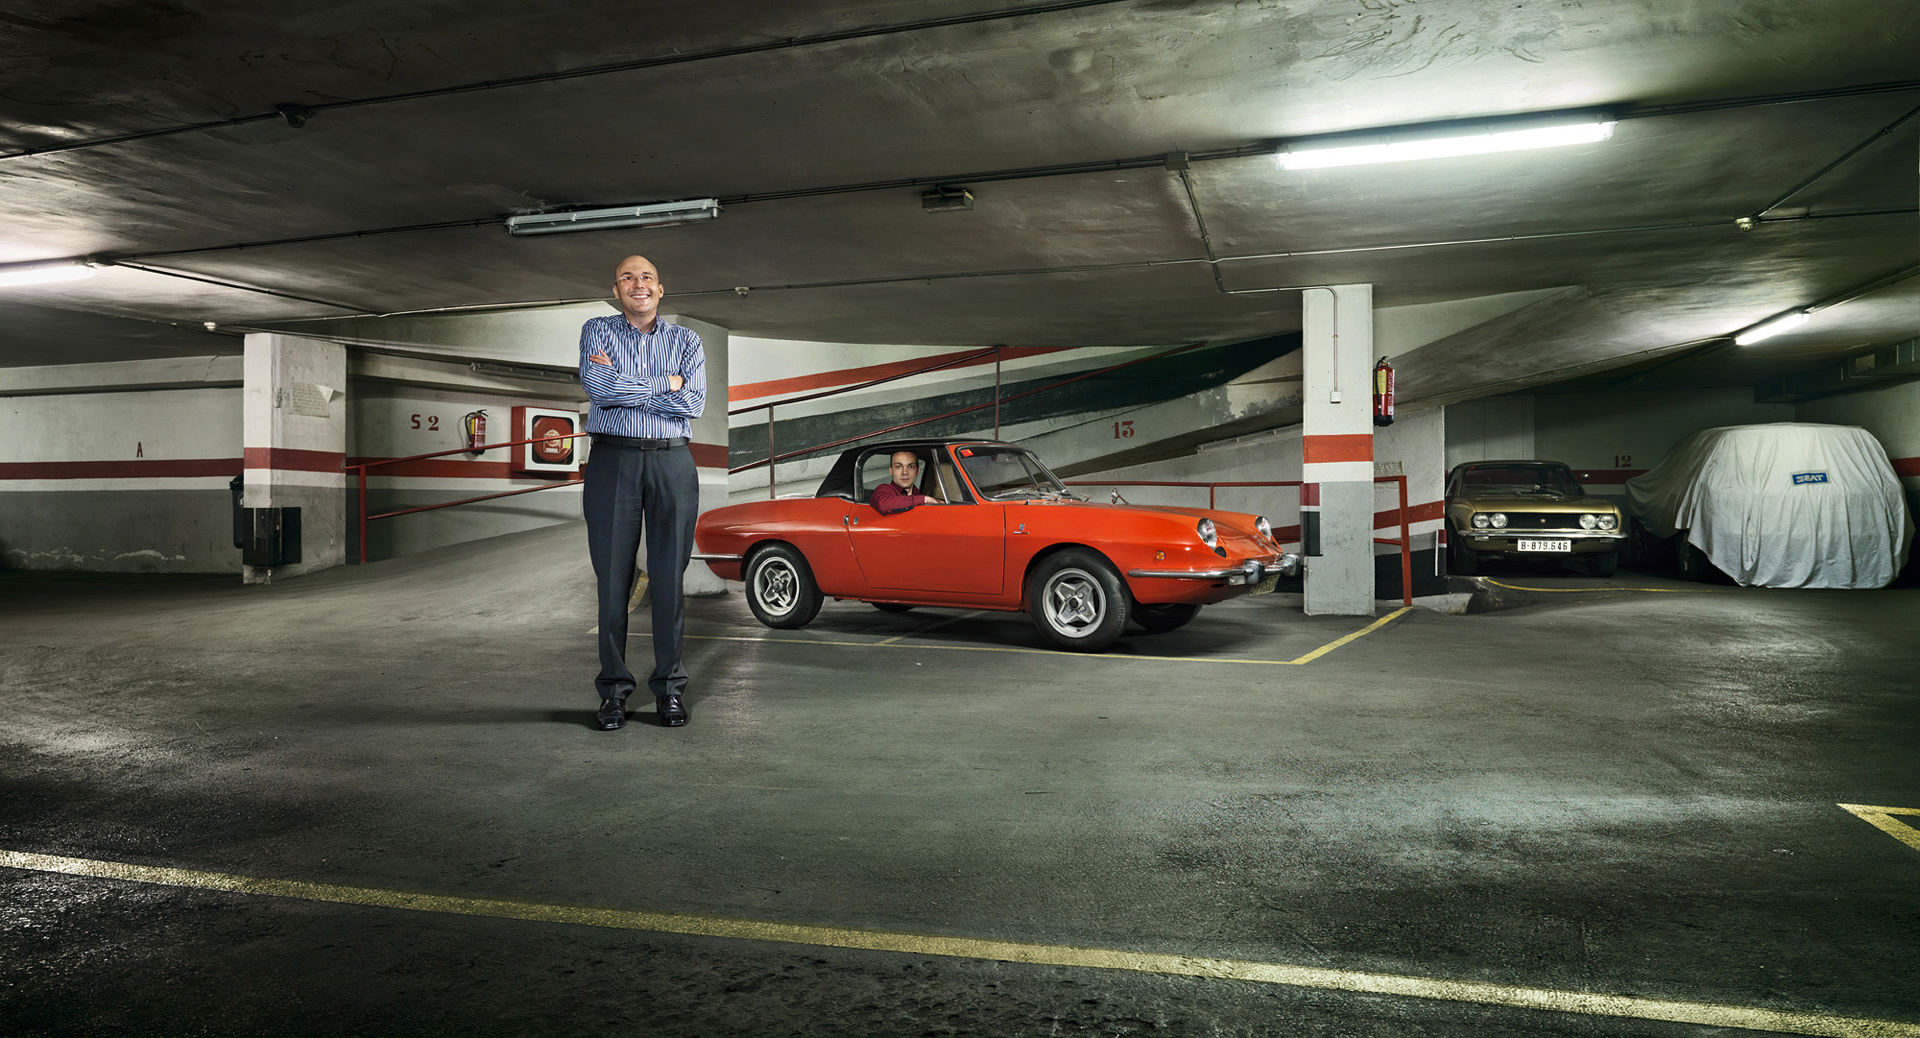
(898, 494)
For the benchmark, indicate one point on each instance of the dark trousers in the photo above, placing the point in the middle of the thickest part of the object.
(629, 491)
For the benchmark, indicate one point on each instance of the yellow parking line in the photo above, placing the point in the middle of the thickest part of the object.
(1658, 590)
(1355, 636)
(1881, 818)
(1584, 1003)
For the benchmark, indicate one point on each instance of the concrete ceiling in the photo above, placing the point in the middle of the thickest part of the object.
(819, 125)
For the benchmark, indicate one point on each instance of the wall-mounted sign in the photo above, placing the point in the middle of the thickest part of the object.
(546, 457)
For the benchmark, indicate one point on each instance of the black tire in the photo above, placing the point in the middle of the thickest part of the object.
(1461, 560)
(1692, 562)
(1077, 601)
(781, 590)
(1602, 564)
(891, 607)
(1159, 619)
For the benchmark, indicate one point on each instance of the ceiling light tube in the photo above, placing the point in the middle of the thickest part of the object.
(1771, 327)
(661, 214)
(41, 273)
(1446, 140)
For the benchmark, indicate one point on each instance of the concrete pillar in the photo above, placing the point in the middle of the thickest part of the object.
(709, 446)
(1336, 448)
(294, 434)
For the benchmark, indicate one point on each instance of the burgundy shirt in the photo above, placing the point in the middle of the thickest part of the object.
(888, 498)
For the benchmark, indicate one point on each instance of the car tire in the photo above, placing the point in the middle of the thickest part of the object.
(1169, 616)
(1692, 562)
(891, 607)
(781, 590)
(1077, 601)
(1602, 564)
(1461, 560)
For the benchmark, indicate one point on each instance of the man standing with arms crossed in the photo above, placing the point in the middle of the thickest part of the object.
(647, 379)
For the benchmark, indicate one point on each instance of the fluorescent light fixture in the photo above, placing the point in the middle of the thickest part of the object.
(660, 214)
(43, 273)
(1771, 327)
(1446, 140)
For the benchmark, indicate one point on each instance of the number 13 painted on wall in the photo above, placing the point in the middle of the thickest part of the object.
(1123, 430)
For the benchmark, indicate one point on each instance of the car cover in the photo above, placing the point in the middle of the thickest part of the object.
(1789, 504)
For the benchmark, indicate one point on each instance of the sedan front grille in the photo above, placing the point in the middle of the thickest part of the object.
(1543, 521)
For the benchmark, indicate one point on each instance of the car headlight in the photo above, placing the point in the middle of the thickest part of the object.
(1480, 521)
(1588, 520)
(1609, 522)
(1266, 528)
(1207, 536)
(1499, 520)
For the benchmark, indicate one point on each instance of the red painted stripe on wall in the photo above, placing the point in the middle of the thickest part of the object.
(289, 459)
(1352, 447)
(849, 376)
(149, 468)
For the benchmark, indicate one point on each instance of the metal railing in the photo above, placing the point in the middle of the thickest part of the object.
(361, 470)
(773, 458)
(1405, 540)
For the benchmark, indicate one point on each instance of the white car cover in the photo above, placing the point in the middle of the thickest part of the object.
(1790, 504)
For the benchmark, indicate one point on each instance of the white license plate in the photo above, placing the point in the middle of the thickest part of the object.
(1556, 545)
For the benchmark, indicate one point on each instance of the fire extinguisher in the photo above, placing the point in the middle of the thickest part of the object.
(1383, 393)
(476, 426)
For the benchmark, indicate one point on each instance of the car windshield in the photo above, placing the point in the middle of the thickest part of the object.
(1009, 473)
(1520, 479)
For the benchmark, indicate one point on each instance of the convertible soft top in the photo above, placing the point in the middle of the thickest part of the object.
(1789, 504)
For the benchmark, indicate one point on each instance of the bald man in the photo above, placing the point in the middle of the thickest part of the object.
(647, 380)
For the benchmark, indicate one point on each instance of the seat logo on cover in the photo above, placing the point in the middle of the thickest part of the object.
(1809, 477)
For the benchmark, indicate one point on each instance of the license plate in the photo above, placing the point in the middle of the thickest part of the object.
(1556, 545)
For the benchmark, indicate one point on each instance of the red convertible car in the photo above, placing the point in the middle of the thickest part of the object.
(1000, 532)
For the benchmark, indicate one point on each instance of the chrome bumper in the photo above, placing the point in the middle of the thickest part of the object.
(1252, 571)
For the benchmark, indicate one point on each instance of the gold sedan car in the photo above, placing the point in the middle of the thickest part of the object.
(1528, 509)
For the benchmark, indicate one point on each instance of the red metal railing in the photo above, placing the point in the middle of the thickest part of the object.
(362, 468)
(1405, 540)
(773, 458)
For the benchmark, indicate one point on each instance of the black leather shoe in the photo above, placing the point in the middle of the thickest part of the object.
(613, 714)
(673, 713)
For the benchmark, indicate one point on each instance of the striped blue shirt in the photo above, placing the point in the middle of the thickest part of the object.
(631, 398)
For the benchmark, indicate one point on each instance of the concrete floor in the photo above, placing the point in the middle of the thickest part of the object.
(1623, 793)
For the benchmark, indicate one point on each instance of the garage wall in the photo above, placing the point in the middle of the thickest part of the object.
(120, 468)
(397, 421)
(125, 467)
(1892, 415)
(1608, 438)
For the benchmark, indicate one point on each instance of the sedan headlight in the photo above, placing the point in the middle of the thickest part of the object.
(1266, 528)
(1207, 536)
(1589, 521)
(1609, 522)
(1499, 520)
(1480, 521)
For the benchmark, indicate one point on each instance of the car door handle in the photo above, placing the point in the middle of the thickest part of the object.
(848, 520)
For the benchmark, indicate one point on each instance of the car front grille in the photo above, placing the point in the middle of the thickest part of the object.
(1543, 521)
